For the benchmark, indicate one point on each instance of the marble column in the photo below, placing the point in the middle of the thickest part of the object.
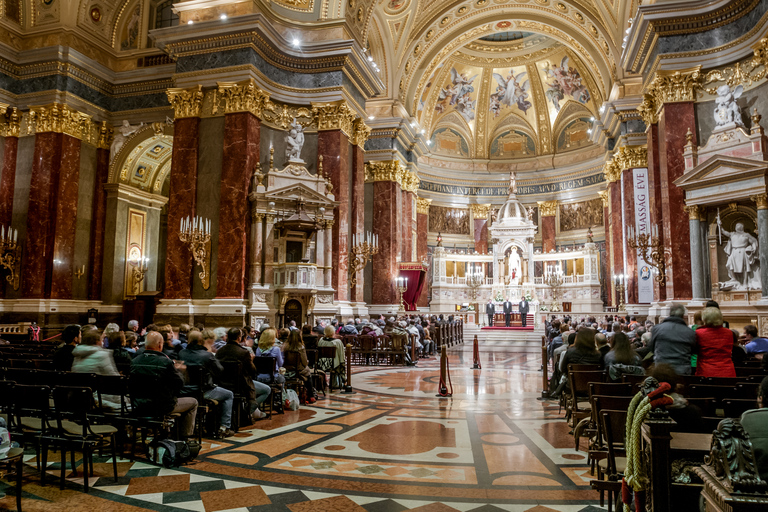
(182, 197)
(762, 232)
(357, 215)
(674, 121)
(47, 265)
(269, 251)
(617, 229)
(628, 189)
(607, 281)
(386, 211)
(548, 211)
(241, 153)
(99, 218)
(407, 227)
(654, 189)
(480, 220)
(697, 264)
(257, 246)
(8, 180)
(320, 254)
(422, 249)
(328, 253)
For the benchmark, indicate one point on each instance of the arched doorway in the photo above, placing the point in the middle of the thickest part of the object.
(293, 311)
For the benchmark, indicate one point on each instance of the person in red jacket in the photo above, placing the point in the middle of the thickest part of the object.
(714, 344)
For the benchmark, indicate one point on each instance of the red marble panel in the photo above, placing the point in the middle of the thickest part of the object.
(358, 211)
(617, 229)
(548, 233)
(674, 122)
(407, 226)
(241, 153)
(607, 278)
(422, 250)
(65, 213)
(38, 251)
(96, 251)
(654, 188)
(628, 183)
(334, 146)
(8, 180)
(385, 213)
(481, 236)
(182, 200)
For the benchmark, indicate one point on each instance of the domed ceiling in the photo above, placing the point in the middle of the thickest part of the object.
(509, 95)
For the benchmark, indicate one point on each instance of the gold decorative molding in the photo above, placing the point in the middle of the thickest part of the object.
(10, 118)
(480, 211)
(186, 102)
(612, 171)
(631, 157)
(391, 170)
(60, 118)
(335, 115)
(647, 110)
(422, 205)
(548, 208)
(106, 134)
(675, 86)
(761, 200)
(360, 133)
(242, 97)
(604, 195)
(741, 73)
(693, 211)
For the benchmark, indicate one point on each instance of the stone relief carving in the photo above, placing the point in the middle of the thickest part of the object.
(732, 459)
(121, 135)
(294, 141)
(582, 215)
(325, 299)
(726, 109)
(454, 221)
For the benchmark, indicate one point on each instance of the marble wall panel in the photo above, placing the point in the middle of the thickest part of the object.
(617, 228)
(116, 224)
(481, 235)
(368, 223)
(95, 265)
(674, 122)
(422, 251)
(271, 137)
(654, 189)
(386, 197)
(240, 154)
(407, 226)
(24, 158)
(605, 264)
(8, 151)
(357, 214)
(547, 233)
(181, 204)
(628, 184)
(85, 212)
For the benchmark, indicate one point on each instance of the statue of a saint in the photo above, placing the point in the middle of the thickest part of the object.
(726, 109)
(294, 141)
(121, 135)
(743, 262)
(512, 184)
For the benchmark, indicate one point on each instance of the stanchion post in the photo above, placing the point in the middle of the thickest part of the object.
(348, 385)
(442, 389)
(476, 355)
(413, 348)
(544, 368)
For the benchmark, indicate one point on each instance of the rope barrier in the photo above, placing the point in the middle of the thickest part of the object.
(56, 336)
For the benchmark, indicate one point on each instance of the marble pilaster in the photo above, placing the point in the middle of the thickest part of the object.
(179, 264)
(320, 255)
(406, 253)
(8, 180)
(697, 263)
(548, 232)
(762, 233)
(241, 153)
(422, 250)
(328, 253)
(99, 218)
(628, 186)
(386, 210)
(334, 146)
(617, 229)
(269, 250)
(357, 216)
(605, 196)
(654, 189)
(257, 246)
(675, 120)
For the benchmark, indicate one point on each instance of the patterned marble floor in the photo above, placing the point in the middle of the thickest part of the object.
(391, 446)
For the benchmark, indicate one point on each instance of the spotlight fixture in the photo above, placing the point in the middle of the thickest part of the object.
(190, 22)
(223, 17)
(296, 42)
(371, 118)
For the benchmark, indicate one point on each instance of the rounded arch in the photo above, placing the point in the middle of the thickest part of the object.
(144, 160)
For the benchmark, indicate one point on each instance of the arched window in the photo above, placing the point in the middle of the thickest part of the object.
(164, 15)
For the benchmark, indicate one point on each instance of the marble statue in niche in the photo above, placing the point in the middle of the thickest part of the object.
(294, 141)
(726, 109)
(121, 135)
(743, 262)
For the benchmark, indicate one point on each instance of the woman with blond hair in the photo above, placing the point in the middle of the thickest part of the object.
(267, 348)
(714, 346)
(295, 344)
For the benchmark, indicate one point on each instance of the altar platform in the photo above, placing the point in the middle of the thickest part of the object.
(503, 328)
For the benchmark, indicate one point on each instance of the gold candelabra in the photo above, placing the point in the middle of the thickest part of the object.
(554, 278)
(651, 249)
(196, 232)
(402, 285)
(10, 254)
(139, 270)
(360, 254)
(475, 281)
(620, 283)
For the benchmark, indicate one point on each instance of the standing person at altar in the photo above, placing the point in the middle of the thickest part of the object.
(490, 310)
(507, 312)
(523, 308)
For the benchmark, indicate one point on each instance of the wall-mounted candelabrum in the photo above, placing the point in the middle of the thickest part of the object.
(402, 285)
(620, 283)
(139, 268)
(651, 249)
(10, 254)
(554, 278)
(196, 232)
(360, 254)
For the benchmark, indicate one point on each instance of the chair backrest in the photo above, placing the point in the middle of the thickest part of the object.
(265, 365)
(579, 380)
(735, 407)
(33, 401)
(718, 392)
(600, 402)
(610, 388)
(291, 361)
(7, 396)
(48, 377)
(367, 343)
(747, 389)
(326, 352)
(73, 403)
(115, 385)
(21, 375)
(584, 367)
(195, 377)
(312, 358)
(86, 380)
(614, 430)
(755, 422)
(231, 378)
(707, 405)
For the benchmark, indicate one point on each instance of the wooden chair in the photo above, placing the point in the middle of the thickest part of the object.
(232, 379)
(291, 361)
(612, 467)
(325, 358)
(735, 407)
(265, 365)
(318, 380)
(15, 458)
(579, 392)
(196, 377)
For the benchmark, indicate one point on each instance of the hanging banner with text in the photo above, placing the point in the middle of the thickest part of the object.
(643, 226)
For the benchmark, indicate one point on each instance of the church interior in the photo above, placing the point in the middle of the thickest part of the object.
(473, 179)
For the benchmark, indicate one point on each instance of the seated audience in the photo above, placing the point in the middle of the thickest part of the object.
(622, 358)
(156, 383)
(756, 346)
(583, 351)
(257, 391)
(755, 422)
(687, 416)
(337, 365)
(268, 348)
(295, 344)
(348, 328)
(714, 345)
(63, 358)
(602, 343)
(116, 342)
(91, 357)
(672, 341)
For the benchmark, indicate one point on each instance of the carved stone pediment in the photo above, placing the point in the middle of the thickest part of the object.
(299, 191)
(723, 178)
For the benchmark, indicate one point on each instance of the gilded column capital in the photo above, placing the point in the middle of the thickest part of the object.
(391, 170)
(329, 223)
(612, 171)
(761, 200)
(243, 97)
(422, 205)
(631, 157)
(106, 134)
(360, 133)
(673, 86)
(186, 102)
(604, 196)
(648, 110)
(11, 121)
(693, 211)
(60, 118)
(548, 208)
(335, 115)
(258, 216)
(270, 218)
(480, 211)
